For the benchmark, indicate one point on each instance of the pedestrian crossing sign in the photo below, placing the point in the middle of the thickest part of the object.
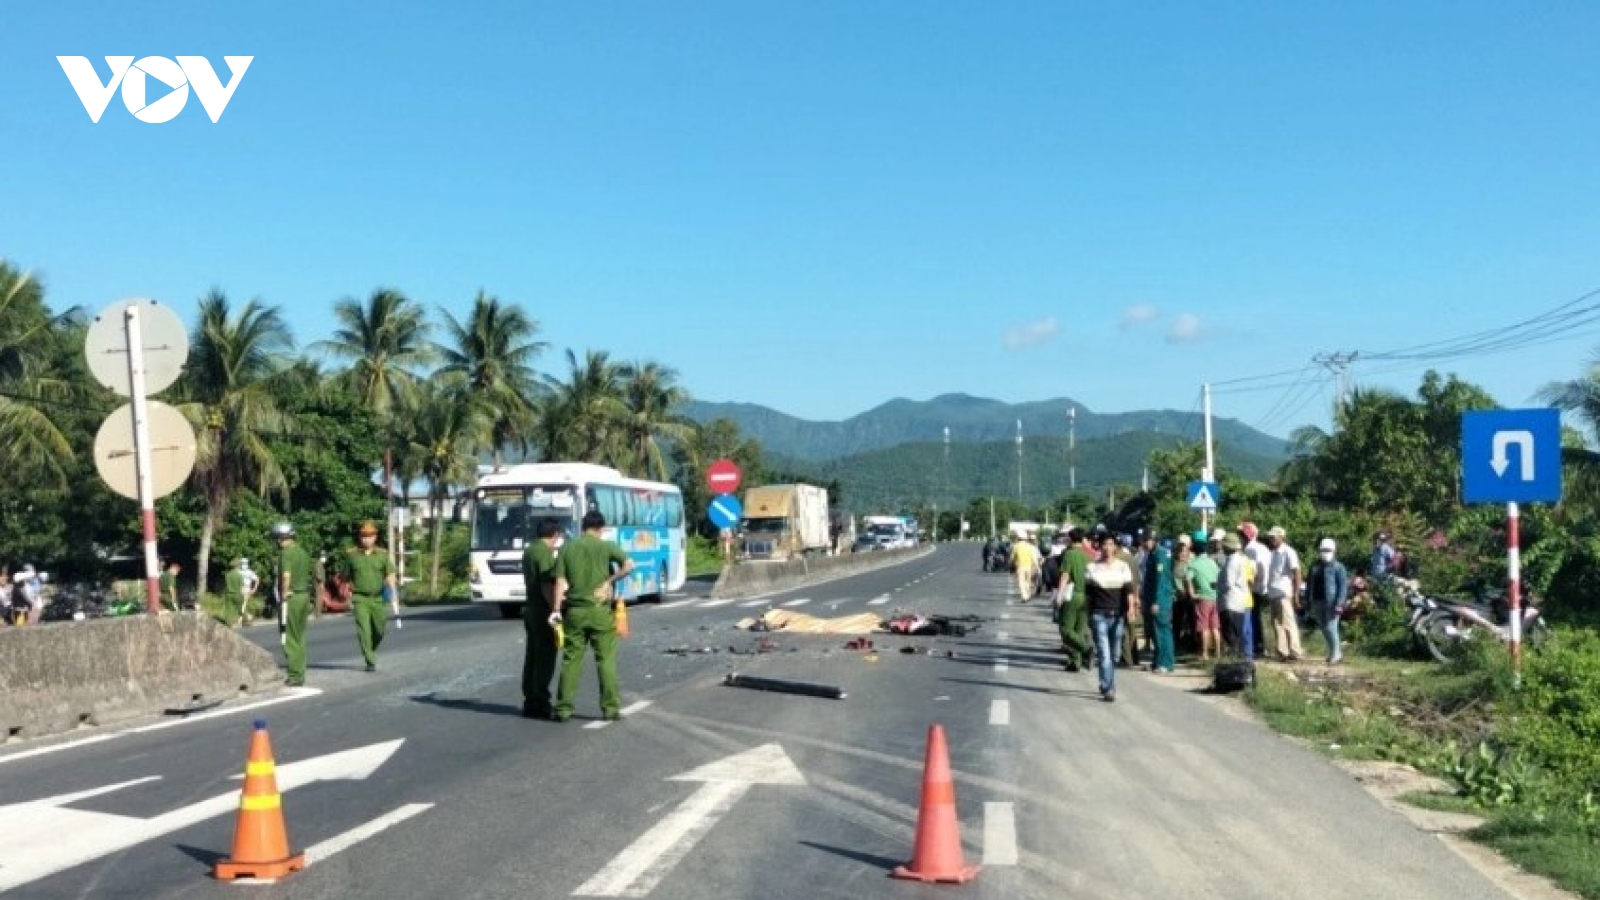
(1204, 495)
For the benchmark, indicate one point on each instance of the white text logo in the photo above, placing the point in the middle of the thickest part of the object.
(134, 77)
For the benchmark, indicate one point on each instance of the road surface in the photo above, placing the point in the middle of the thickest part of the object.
(421, 780)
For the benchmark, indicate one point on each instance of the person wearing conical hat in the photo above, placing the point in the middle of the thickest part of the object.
(372, 579)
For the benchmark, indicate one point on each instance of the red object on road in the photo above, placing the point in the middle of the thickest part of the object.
(723, 476)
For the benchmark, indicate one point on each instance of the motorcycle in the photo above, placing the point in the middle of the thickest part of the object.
(1441, 626)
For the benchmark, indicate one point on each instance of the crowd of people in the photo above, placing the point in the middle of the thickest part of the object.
(1119, 598)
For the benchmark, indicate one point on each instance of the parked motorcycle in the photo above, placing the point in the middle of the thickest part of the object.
(1440, 626)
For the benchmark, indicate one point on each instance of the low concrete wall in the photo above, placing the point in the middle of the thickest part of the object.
(750, 578)
(56, 677)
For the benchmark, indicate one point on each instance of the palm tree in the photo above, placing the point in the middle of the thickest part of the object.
(446, 432)
(385, 341)
(492, 352)
(1581, 396)
(235, 360)
(652, 397)
(581, 419)
(32, 446)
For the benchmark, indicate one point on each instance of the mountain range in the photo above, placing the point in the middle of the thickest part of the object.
(970, 420)
(893, 457)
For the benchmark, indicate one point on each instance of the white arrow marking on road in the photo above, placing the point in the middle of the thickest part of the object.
(1503, 440)
(45, 838)
(638, 869)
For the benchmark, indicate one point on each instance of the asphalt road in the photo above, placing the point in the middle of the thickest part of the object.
(1164, 793)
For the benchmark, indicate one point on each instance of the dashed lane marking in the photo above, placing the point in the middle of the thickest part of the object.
(878, 601)
(628, 710)
(1000, 712)
(800, 602)
(999, 834)
(1001, 665)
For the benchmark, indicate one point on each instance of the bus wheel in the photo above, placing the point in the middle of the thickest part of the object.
(510, 610)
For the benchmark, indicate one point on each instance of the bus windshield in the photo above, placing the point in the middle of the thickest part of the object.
(507, 518)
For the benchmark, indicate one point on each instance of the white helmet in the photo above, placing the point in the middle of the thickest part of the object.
(282, 530)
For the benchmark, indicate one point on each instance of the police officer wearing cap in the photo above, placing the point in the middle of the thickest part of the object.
(294, 594)
(372, 583)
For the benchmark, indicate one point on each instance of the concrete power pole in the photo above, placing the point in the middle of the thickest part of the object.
(1211, 462)
(1072, 448)
(1019, 460)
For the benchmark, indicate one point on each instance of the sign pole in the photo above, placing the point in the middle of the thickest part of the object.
(141, 459)
(1514, 588)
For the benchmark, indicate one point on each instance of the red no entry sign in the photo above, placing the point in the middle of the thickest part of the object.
(723, 476)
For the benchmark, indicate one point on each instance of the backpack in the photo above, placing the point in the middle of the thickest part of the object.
(1051, 573)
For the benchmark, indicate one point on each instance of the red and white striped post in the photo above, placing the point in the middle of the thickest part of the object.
(1514, 588)
(141, 458)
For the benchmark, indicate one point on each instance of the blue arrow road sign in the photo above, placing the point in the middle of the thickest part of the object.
(725, 511)
(1511, 455)
(1204, 495)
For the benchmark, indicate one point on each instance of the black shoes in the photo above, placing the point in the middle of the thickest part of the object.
(372, 667)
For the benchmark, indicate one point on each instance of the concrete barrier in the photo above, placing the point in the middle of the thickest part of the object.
(58, 676)
(751, 578)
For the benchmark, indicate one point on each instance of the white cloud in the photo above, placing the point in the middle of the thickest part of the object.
(1138, 314)
(1033, 334)
(1187, 329)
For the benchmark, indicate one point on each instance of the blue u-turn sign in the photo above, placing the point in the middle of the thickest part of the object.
(1511, 456)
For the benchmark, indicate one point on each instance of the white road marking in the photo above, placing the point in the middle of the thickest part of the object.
(999, 834)
(1000, 712)
(628, 710)
(673, 604)
(1001, 665)
(319, 852)
(749, 603)
(1003, 635)
(800, 602)
(1005, 615)
(288, 695)
(878, 601)
(710, 603)
(642, 864)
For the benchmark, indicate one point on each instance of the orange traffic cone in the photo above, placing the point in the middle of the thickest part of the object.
(937, 855)
(260, 843)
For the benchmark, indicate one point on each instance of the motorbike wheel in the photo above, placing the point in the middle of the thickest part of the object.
(1435, 638)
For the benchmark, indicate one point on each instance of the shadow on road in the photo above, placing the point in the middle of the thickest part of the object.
(1057, 692)
(207, 858)
(469, 704)
(877, 862)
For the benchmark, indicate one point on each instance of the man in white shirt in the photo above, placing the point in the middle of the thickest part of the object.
(1283, 592)
(1233, 596)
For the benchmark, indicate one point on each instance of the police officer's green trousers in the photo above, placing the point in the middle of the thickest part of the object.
(539, 662)
(1166, 649)
(296, 612)
(585, 625)
(1073, 623)
(371, 616)
(232, 607)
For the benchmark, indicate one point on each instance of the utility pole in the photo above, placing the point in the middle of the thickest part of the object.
(1339, 365)
(1072, 448)
(1211, 462)
(1144, 481)
(1020, 460)
(945, 487)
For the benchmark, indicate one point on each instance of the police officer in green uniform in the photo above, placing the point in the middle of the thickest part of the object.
(539, 580)
(586, 570)
(371, 576)
(293, 582)
(233, 592)
(168, 583)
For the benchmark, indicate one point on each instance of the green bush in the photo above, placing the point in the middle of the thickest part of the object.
(1557, 721)
(704, 556)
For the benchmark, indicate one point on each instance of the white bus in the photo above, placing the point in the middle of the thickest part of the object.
(644, 517)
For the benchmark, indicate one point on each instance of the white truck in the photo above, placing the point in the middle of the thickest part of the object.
(891, 532)
(784, 521)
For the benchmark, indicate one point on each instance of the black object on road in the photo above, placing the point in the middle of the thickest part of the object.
(780, 686)
(1233, 676)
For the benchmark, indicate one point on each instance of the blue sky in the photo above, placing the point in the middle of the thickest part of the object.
(821, 206)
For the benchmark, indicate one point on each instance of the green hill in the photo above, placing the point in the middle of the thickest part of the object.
(972, 421)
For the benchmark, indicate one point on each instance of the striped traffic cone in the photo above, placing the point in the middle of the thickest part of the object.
(260, 842)
(937, 854)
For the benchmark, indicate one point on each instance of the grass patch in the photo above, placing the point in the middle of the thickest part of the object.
(1438, 802)
(1325, 716)
(1558, 847)
(456, 592)
(704, 558)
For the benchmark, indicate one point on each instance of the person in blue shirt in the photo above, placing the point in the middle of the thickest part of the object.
(1382, 555)
(1328, 589)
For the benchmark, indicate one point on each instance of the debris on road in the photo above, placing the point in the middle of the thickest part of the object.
(685, 651)
(858, 644)
(919, 624)
(782, 686)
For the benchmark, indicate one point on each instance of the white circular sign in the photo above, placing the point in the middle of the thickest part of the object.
(172, 450)
(163, 339)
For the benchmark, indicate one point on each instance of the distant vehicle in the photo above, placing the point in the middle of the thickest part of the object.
(645, 517)
(866, 543)
(784, 521)
(841, 530)
(892, 532)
